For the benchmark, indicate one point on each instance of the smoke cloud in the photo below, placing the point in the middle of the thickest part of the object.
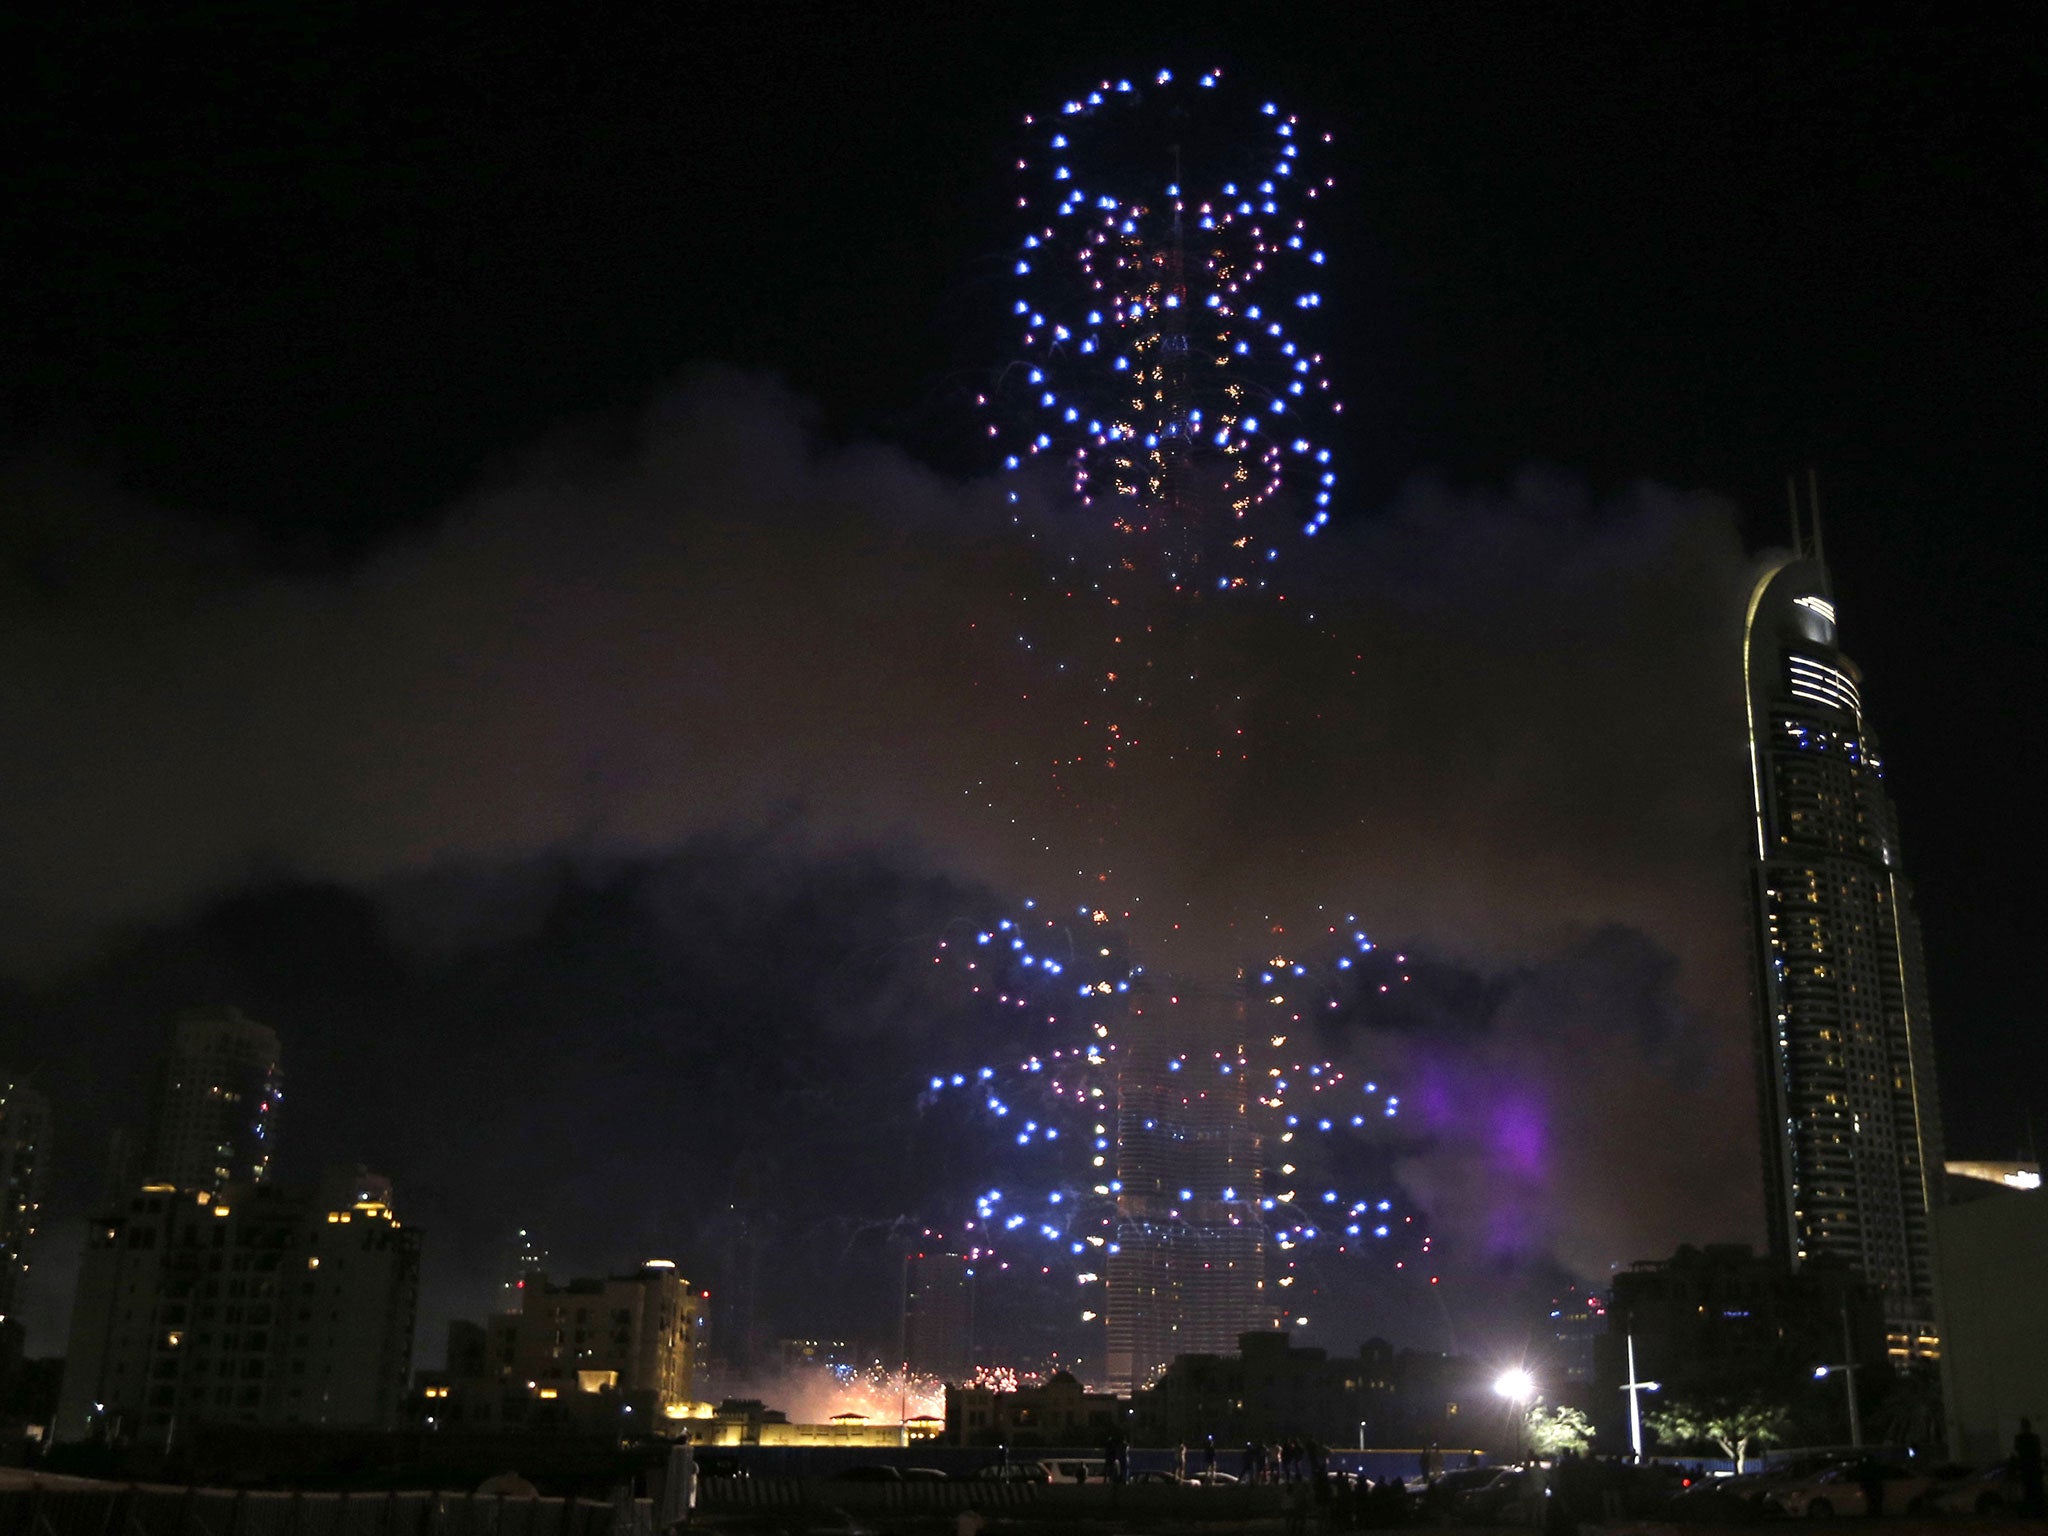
(1509, 739)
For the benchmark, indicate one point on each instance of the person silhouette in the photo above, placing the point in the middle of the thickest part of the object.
(2026, 1461)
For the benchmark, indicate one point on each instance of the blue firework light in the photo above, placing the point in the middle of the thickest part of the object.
(1167, 280)
(1061, 990)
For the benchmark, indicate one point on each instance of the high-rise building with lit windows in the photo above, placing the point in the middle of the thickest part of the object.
(1185, 1273)
(24, 1149)
(1851, 1126)
(213, 1114)
(525, 1256)
(251, 1305)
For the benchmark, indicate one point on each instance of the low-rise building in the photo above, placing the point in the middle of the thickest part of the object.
(1058, 1413)
(748, 1421)
(1268, 1391)
(1271, 1391)
(590, 1354)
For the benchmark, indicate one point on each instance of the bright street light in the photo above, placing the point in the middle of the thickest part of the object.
(1516, 1385)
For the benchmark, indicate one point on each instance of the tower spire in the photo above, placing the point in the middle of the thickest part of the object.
(1820, 554)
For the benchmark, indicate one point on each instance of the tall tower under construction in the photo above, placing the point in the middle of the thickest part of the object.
(1851, 1127)
(1186, 1270)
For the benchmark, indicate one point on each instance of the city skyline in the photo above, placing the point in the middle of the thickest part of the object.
(468, 764)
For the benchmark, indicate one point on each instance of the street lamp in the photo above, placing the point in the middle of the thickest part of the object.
(1848, 1370)
(1517, 1386)
(1635, 1389)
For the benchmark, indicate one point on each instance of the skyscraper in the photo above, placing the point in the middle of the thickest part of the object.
(215, 1103)
(938, 1314)
(1851, 1127)
(525, 1256)
(24, 1143)
(1186, 1271)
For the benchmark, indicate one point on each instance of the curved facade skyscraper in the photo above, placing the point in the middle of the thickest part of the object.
(214, 1110)
(1851, 1126)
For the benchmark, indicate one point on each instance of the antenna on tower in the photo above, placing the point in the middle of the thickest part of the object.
(1820, 554)
(1792, 505)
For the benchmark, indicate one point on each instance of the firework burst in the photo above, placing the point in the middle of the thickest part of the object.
(1063, 1109)
(1166, 283)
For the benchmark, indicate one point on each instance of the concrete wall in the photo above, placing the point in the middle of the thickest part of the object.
(1994, 1295)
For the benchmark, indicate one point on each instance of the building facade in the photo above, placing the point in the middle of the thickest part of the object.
(24, 1150)
(1185, 1273)
(1268, 1391)
(938, 1315)
(525, 1254)
(1574, 1322)
(1851, 1126)
(618, 1352)
(253, 1306)
(1724, 1317)
(214, 1106)
(1994, 1358)
(1058, 1413)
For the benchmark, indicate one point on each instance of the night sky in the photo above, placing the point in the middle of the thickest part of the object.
(501, 583)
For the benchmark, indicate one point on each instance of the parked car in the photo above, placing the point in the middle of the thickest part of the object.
(1012, 1472)
(924, 1475)
(1450, 1483)
(1717, 1501)
(1839, 1491)
(1211, 1479)
(1076, 1469)
(1494, 1500)
(1438, 1498)
(1757, 1488)
(1988, 1490)
(869, 1472)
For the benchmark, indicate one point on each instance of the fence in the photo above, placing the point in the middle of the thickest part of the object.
(142, 1510)
(778, 1492)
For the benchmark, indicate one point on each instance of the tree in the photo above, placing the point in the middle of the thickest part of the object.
(1732, 1423)
(1553, 1431)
